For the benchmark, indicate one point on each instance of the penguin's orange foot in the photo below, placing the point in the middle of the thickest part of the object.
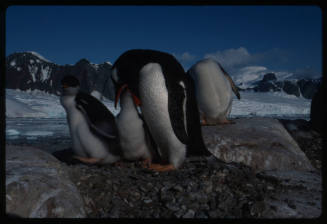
(161, 168)
(118, 164)
(146, 163)
(204, 122)
(87, 160)
(225, 121)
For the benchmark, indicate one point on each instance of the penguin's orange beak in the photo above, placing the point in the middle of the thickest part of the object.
(118, 93)
(65, 86)
(136, 100)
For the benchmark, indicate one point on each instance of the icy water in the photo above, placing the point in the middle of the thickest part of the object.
(52, 134)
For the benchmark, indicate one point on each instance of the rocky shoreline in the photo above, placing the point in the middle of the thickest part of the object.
(204, 187)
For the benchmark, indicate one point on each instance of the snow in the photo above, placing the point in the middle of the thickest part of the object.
(33, 70)
(31, 61)
(39, 56)
(108, 62)
(13, 63)
(19, 69)
(45, 73)
(33, 103)
(271, 104)
(246, 76)
(38, 104)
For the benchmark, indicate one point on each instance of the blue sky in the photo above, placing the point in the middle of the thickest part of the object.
(279, 38)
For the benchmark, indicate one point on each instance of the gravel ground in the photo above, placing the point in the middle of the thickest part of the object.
(203, 187)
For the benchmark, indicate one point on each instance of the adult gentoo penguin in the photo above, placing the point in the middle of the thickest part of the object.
(165, 94)
(134, 136)
(92, 126)
(213, 91)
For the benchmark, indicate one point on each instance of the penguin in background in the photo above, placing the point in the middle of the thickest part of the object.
(135, 140)
(92, 126)
(166, 96)
(213, 91)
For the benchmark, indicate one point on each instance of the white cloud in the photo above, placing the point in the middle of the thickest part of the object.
(185, 57)
(231, 57)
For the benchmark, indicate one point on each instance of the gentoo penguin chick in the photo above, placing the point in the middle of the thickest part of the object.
(165, 94)
(92, 126)
(135, 142)
(213, 91)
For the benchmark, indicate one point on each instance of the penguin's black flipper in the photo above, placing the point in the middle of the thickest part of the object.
(234, 87)
(196, 144)
(100, 119)
(176, 108)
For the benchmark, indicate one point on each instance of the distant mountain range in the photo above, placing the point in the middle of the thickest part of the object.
(304, 87)
(29, 70)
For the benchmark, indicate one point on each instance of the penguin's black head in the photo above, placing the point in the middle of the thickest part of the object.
(69, 81)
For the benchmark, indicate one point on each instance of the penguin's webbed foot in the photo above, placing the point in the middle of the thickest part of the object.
(161, 168)
(146, 163)
(225, 121)
(87, 160)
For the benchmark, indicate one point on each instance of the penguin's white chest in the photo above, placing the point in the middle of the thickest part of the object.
(132, 135)
(85, 143)
(154, 98)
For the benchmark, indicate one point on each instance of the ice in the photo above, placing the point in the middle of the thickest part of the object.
(14, 108)
(271, 104)
(38, 133)
(12, 132)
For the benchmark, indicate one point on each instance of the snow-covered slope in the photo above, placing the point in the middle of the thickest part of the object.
(39, 104)
(276, 104)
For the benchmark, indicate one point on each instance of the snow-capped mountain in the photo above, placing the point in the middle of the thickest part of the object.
(259, 79)
(30, 71)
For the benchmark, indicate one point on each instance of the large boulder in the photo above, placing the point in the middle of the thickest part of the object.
(38, 186)
(261, 143)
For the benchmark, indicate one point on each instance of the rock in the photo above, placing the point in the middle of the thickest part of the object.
(298, 195)
(308, 87)
(291, 88)
(261, 143)
(38, 186)
(27, 70)
(269, 77)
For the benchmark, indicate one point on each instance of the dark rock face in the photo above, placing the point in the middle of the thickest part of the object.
(269, 77)
(308, 87)
(303, 87)
(30, 71)
(291, 88)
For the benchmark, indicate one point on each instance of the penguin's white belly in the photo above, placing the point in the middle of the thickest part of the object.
(154, 106)
(132, 136)
(84, 142)
(213, 90)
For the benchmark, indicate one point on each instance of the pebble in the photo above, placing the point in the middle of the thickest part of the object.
(189, 214)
